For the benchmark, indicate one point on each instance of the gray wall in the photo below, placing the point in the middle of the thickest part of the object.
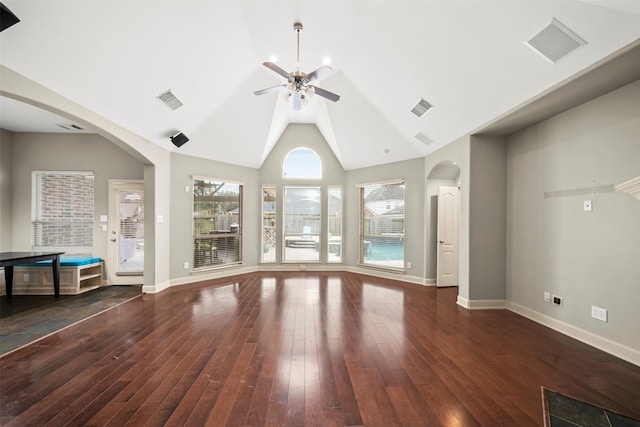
(487, 218)
(457, 152)
(589, 258)
(6, 190)
(413, 173)
(183, 167)
(296, 136)
(54, 151)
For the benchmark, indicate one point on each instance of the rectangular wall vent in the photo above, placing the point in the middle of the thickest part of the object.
(421, 107)
(555, 41)
(70, 126)
(423, 138)
(170, 100)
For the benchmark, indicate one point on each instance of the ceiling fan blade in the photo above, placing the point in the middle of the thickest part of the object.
(269, 89)
(274, 67)
(320, 73)
(325, 93)
(297, 101)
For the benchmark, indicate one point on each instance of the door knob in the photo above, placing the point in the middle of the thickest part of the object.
(441, 241)
(113, 240)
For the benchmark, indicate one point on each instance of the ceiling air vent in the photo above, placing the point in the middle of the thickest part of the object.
(70, 126)
(421, 108)
(170, 100)
(423, 138)
(555, 41)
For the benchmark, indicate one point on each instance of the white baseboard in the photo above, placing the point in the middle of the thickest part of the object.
(619, 350)
(236, 270)
(387, 275)
(481, 304)
(155, 288)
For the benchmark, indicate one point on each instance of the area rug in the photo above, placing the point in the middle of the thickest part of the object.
(28, 318)
(564, 411)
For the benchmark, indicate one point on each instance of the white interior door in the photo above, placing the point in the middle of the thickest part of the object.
(448, 208)
(125, 265)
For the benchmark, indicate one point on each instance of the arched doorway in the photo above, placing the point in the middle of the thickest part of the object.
(442, 182)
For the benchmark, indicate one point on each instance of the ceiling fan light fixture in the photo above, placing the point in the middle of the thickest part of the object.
(298, 84)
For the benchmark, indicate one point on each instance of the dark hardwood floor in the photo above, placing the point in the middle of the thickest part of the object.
(305, 349)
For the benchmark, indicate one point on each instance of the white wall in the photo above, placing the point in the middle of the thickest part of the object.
(588, 258)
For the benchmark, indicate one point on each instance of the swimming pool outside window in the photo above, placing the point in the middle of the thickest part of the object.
(382, 224)
(302, 223)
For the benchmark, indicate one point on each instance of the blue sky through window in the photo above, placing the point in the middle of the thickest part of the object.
(303, 163)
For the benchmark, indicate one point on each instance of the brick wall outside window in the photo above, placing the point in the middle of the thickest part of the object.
(62, 212)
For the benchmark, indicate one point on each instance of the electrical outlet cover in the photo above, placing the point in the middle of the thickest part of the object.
(557, 300)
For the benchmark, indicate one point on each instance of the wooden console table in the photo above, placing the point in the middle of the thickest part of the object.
(9, 259)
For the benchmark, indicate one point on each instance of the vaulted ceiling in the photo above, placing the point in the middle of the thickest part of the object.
(468, 59)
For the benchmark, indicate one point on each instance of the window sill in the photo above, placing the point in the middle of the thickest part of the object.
(381, 268)
(209, 269)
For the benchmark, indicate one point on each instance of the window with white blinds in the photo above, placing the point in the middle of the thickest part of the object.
(269, 224)
(62, 212)
(217, 222)
(302, 223)
(334, 227)
(382, 225)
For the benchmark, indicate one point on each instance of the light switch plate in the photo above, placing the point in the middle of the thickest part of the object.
(588, 206)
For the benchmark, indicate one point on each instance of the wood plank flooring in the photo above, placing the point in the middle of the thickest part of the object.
(298, 349)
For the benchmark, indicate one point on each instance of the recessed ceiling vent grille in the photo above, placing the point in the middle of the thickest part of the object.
(421, 108)
(170, 100)
(555, 41)
(70, 126)
(423, 138)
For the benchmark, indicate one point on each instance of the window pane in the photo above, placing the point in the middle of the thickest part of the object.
(334, 246)
(217, 223)
(268, 224)
(382, 225)
(131, 236)
(302, 163)
(302, 223)
(62, 212)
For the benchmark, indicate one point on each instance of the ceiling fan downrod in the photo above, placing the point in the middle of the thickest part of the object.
(298, 29)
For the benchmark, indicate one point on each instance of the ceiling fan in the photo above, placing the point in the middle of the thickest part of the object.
(297, 87)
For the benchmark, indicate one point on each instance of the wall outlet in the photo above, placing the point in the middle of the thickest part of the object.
(557, 300)
(408, 264)
(186, 265)
(599, 313)
(25, 277)
(588, 206)
(547, 296)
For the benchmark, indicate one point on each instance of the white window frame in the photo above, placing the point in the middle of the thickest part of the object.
(37, 214)
(217, 261)
(399, 265)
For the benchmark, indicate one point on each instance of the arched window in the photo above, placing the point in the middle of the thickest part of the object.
(302, 163)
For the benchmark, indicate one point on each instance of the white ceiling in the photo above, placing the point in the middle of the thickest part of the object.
(469, 59)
